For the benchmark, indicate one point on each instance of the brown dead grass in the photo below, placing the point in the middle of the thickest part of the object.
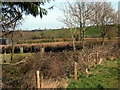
(63, 44)
(55, 84)
(57, 65)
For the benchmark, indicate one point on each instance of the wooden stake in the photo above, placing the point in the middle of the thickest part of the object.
(41, 80)
(4, 56)
(97, 56)
(21, 49)
(86, 70)
(100, 61)
(38, 79)
(42, 49)
(75, 71)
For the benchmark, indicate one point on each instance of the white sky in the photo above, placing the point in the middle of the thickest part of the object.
(51, 20)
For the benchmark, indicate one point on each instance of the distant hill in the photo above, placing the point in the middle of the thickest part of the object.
(91, 31)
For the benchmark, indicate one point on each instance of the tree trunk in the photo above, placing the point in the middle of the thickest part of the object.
(12, 54)
(74, 48)
(73, 40)
(103, 40)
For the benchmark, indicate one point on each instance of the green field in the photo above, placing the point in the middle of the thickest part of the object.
(91, 31)
(51, 35)
(105, 75)
(65, 33)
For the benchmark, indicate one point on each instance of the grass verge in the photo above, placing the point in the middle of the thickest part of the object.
(105, 75)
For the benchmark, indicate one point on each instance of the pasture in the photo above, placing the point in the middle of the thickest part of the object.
(42, 36)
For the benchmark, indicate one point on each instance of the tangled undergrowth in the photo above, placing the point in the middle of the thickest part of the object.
(56, 65)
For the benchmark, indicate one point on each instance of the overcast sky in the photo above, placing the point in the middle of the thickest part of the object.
(51, 20)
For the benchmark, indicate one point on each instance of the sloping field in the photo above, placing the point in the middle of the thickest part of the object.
(92, 31)
(105, 75)
(58, 40)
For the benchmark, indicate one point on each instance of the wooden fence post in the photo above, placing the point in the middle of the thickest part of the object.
(97, 55)
(75, 70)
(42, 49)
(38, 79)
(100, 61)
(21, 49)
(4, 57)
(41, 80)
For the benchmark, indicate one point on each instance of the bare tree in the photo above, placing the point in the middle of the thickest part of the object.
(102, 15)
(76, 16)
(12, 41)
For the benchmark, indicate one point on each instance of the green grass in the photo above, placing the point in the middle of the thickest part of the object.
(17, 57)
(63, 33)
(91, 31)
(105, 75)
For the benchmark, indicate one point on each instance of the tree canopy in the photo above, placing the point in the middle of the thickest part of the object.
(12, 12)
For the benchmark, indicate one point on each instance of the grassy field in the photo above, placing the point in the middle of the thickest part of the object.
(65, 33)
(105, 75)
(7, 58)
(92, 31)
(52, 35)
